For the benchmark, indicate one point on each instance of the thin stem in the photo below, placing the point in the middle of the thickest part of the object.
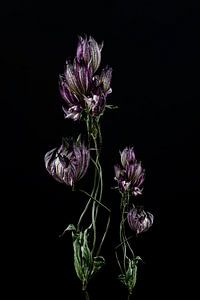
(129, 297)
(86, 193)
(104, 236)
(95, 195)
(84, 211)
(99, 173)
(129, 246)
(130, 237)
(100, 135)
(118, 262)
(101, 188)
(86, 295)
(122, 230)
(89, 201)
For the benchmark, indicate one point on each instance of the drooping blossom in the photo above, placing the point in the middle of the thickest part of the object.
(130, 174)
(80, 87)
(69, 162)
(139, 220)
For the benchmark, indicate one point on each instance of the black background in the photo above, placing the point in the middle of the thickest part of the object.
(153, 47)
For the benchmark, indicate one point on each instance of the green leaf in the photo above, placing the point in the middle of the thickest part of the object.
(87, 260)
(112, 106)
(130, 276)
(77, 256)
(98, 263)
(83, 261)
(70, 227)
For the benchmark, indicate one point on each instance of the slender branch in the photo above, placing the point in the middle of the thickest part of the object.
(129, 297)
(84, 211)
(118, 262)
(104, 236)
(130, 237)
(86, 295)
(82, 191)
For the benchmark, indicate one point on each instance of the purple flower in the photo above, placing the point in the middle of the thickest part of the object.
(127, 156)
(89, 53)
(68, 163)
(130, 175)
(81, 89)
(139, 220)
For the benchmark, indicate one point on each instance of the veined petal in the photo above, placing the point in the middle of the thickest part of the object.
(139, 220)
(68, 163)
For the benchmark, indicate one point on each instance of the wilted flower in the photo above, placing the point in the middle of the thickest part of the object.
(82, 89)
(89, 53)
(68, 163)
(130, 176)
(127, 156)
(139, 220)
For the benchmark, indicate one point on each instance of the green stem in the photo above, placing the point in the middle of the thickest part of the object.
(104, 236)
(95, 195)
(82, 191)
(101, 187)
(86, 295)
(89, 201)
(130, 237)
(129, 297)
(94, 133)
(122, 232)
(118, 262)
(84, 211)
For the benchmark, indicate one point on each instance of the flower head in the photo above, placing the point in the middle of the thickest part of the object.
(68, 163)
(130, 174)
(139, 220)
(80, 88)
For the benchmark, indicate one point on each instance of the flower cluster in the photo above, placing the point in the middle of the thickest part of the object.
(83, 90)
(130, 175)
(130, 178)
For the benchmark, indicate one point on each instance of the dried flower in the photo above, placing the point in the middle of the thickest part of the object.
(130, 176)
(89, 53)
(139, 220)
(82, 89)
(68, 163)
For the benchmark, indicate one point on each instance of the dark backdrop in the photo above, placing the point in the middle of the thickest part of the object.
(153, 48)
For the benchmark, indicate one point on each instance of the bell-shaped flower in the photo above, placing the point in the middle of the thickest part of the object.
(68, 163)
(139, 220)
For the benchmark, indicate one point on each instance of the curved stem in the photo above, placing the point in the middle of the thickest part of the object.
(104, 236)
(130, 237)
(118, 262)
(84, 211)
(94, 133)
(101, 187)
(121, 232)
(89, 201)
(95, 200)
(94, 203)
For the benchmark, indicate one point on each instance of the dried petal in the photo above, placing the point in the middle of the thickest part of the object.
(139, 220)
(68, 163)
